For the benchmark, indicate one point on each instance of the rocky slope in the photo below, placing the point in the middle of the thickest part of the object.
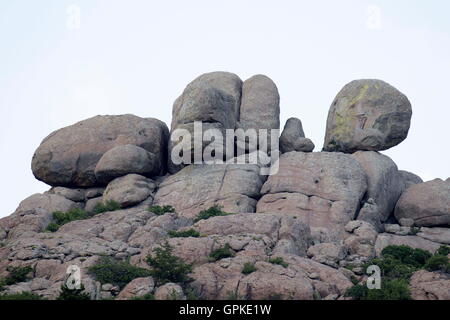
(303, 233)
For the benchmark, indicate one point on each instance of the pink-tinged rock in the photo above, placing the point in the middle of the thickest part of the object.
(415, 242)
(426, 285)
(324, 189)
(428, 204)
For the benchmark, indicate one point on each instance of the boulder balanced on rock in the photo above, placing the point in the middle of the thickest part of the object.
(293, 138)
(367, 115)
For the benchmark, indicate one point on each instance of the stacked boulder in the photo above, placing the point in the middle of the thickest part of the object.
(300, 228)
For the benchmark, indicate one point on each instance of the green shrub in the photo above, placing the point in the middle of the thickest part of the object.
(248, 268)
(16, 275)
(109, 205)
(279, 261)
(184, 234)
(407, 255)
(21, 296)
(443, 251)
(159, 211)
(73, 294)
(167, 267)
(221, 253)
(148, 296)
(438, 263)
(215, 211)
(392, 289)
(116, 272)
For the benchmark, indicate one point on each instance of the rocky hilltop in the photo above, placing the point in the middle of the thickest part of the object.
(118, 202)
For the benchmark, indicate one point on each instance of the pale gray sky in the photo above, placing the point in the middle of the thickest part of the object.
(137, 56)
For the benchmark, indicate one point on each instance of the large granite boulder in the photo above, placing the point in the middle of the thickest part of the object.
(213, 99)
(384, 183)
(126, 159)
(367, 115)
(68, 156)
(323, 188)
(260, 106)
(235, 187)
(428, 204)
(293, 138)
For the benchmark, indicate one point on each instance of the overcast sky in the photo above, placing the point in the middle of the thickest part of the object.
(116, 57)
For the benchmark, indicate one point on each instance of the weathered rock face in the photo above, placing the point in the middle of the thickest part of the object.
(426, 285)
(137, 288)
(68, 156)
(410, 178)
(293, 138)
(428, 204)
(214, 99)
(34, 214)
(290, 234)
(367, 115)
(260, 106)
(325, 189)
(384, 183)
(126, 159)
(130, 190)
(416, 242)
(197, 187)
(441, 235)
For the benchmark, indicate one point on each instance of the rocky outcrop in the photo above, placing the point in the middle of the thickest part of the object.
(367, 115)
(428, 204)
(235, 187)
(68, 156)
(293, 138)
(34, 214)
(324, 189)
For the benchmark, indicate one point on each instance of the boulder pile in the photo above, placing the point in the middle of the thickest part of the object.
(302, 233)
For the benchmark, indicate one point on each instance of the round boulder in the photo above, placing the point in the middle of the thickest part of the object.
(293, 138)
(68, 156)
(122, 160)
(367, 115)
(428, 204)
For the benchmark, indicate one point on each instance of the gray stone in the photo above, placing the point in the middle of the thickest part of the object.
(415, 242)
(76, 195)
(212, 98)
(126, 159)
(410, 178)
(129, 190)
(260, 105)
(293, 138)
(170, 291)
(367, 115)
(68, 156)
(441, 235)
(384, 183)
(428, 204)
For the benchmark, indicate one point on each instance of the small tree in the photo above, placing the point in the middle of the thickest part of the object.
(73, 294)
(167, 267)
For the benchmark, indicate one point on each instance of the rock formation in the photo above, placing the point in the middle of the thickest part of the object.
(303, 232)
